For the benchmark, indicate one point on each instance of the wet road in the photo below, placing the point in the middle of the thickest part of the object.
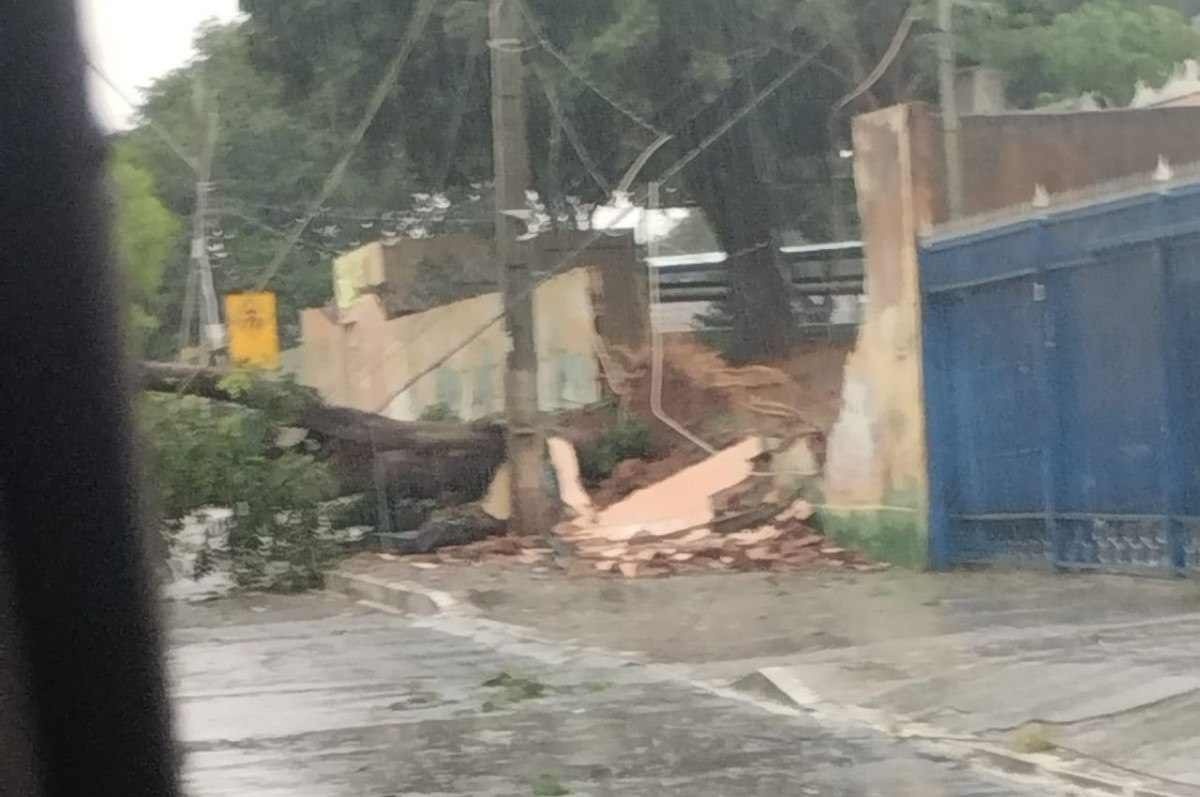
(314, 695)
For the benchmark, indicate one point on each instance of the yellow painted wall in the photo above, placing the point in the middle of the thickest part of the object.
(876, 484)
(355, 271)
(362, 359)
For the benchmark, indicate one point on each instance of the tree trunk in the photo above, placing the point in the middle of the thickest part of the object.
(729, 188)
(434, 458)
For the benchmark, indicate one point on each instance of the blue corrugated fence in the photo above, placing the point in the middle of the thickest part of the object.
(1062, 372)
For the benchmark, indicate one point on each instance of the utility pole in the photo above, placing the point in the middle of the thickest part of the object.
(510, 152)
(951, 124)
(200, 279)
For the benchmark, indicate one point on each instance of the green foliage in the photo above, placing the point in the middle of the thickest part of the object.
(146, 234)
(1056, 49)
(271, 157)
(1109, 45)
(291, 81)
(355, 510)
(439, 412)
(1033, 738)
(548, 784)
(209, 454)
(512, 689)
(628, 439)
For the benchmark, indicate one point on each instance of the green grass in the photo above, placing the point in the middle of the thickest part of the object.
(1033, 738)
(512, 689)
(889, 536)
(549, 785)
(627, 439)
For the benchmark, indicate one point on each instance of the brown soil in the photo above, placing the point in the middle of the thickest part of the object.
(719, 403)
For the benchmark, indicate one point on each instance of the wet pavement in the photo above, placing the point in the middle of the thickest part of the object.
(780, 615)
(314, 695)
(1104, 665)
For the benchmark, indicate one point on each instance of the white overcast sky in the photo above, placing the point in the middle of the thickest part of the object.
(135, 41)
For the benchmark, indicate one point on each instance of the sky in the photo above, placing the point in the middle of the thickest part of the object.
(135, 41)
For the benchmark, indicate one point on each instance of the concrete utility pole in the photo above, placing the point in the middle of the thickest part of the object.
(212, 333)
(951, 125)
(510, 151)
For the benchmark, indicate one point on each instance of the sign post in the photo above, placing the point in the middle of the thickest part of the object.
(253, 330)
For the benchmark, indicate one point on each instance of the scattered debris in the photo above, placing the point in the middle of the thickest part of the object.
(715, 515)
(779, 545)
(497, 503)
(460, 526)
(756, 536)
(674, 526)
(570, 486)
(685, 499)
(512, 689)
(800, 510)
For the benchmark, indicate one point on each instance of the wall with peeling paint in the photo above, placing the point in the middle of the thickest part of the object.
(876, 487)
(360, 358)
(875, 481)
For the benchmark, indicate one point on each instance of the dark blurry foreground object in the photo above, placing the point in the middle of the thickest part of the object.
(83, 708)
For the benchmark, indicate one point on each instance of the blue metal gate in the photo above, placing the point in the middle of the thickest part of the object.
(1062, 375)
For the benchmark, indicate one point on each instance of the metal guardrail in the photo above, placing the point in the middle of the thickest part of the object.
(817, 270)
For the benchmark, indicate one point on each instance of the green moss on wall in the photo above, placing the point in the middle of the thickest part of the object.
(887, 535)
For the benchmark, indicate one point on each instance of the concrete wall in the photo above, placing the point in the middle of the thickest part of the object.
(396, 270)
(462, 265)
(360, 358)
(1006, 156)
(875, 486)
(876, 490)
(623, 312)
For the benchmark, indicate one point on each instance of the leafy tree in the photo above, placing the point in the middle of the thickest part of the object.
(1107, 46)
(147, 235)
(1062, 48)
(292, 79)
(209, 454)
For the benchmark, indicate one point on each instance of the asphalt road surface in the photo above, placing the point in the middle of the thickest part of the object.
(315, 695)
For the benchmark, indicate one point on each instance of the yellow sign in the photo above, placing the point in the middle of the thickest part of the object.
(253, 329)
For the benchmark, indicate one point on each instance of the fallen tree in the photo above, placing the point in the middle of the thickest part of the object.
(426, 458)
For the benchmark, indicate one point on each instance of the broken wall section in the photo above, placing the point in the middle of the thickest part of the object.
(876, 485)
(876, 488)
(361, 358)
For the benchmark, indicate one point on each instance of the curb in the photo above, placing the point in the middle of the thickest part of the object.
(777, 684)
(401, 596)
(1007, 760)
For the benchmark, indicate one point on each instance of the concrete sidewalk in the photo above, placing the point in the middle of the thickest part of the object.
(287, 696)
(1105, 666)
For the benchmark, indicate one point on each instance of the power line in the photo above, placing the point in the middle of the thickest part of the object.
(167, 138)
(262, 225)
(344, 213)
(416, 28)
(544, 41)
(569, 129)
(456, 119)
(571, 257)
(728, 125)
(885, 63)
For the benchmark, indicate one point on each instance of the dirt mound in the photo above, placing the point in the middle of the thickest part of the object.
(799, 396)
(701, 391)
